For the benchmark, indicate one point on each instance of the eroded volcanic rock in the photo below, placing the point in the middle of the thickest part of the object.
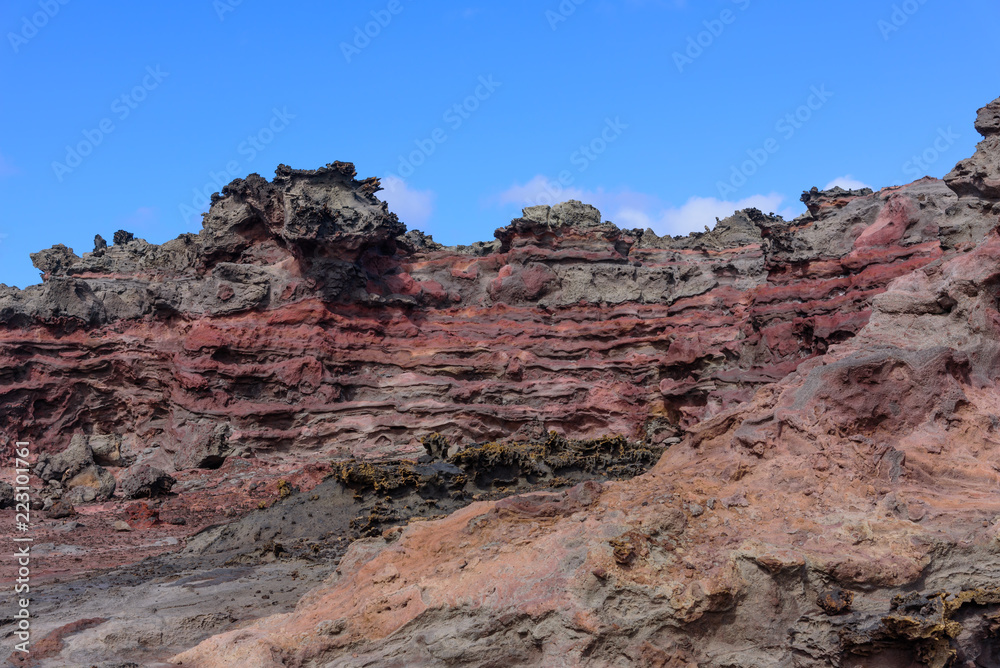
(303, 322)
(833, 379)
(833, 503)
(979, 176)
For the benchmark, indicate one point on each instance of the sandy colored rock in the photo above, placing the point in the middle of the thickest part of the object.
(94, 483)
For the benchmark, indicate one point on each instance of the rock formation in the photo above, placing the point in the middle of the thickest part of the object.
(302, 319)
(826, 387)
(979, 176)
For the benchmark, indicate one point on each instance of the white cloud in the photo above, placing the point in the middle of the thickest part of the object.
(539, 190)
(847, 182)
(414, 207)
(630, 209)
(698, 212)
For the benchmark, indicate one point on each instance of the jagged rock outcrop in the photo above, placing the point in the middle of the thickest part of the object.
(303, 319)
(833, 379)
(845, 515)
(979, 176)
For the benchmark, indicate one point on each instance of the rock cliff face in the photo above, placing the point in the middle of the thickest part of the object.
(302, 320)
(844, 515)
(827, 387)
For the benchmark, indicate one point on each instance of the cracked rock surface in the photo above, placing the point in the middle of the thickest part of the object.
(824, 391)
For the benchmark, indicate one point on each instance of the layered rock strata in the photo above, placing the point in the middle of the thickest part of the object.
(832, 502)
(846, 515)
(304, 321)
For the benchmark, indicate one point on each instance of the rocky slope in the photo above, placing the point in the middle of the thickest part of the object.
(833, 379)
(302, 321)
(846, 515)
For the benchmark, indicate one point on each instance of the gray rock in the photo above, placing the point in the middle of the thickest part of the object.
(418, 241)
(66, 527)
(60, 467)
(94, 483)
(6, 495)
(979, 176)
(231, 265)
(56, 260)
(572, 213)
(109, 450)
(143, 480)
(204, 449)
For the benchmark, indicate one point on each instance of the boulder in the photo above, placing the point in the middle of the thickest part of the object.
(109, 450)
(66, 464)
(94, 483)
(145, 481)
(6, 495)
(61, 509)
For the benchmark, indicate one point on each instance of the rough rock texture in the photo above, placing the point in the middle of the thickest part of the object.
(229, 574)
(144, 480)
(833, 500)
(94, 483)
(845, 515)
(979, 176)
(873, 469)
(302, 321)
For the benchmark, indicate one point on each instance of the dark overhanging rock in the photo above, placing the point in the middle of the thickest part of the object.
(979, 176)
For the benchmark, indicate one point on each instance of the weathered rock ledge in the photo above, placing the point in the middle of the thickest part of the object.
(304, 321)
(833, 379)
(844, 515)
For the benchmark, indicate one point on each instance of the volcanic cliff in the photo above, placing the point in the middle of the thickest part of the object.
(825, 389)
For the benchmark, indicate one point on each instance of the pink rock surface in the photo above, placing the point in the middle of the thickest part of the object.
(873, 468)
(845, 515)
(833, 500)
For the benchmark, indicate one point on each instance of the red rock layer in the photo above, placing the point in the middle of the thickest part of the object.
(873, 468)
(353, 342)
(846, 515)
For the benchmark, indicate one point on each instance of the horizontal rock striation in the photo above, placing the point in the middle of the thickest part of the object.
(846, 515)
(304, 320)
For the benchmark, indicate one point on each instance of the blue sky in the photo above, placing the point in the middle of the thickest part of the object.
(661, 113)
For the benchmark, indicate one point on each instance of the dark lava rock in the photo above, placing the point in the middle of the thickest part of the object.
(836, 601)
(6, 495)
(144, 480)
(122, 237)
(61, 509)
